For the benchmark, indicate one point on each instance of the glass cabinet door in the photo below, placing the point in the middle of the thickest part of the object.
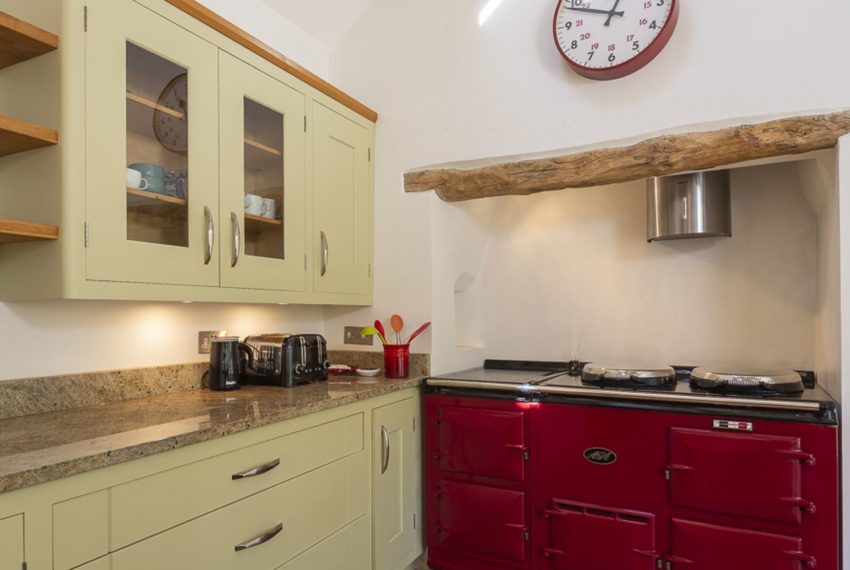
(262, 180)
(151, 148)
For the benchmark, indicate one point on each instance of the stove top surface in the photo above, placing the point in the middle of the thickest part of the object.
(510, 372)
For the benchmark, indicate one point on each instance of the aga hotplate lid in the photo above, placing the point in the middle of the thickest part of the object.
(634, 373)
(746, 379)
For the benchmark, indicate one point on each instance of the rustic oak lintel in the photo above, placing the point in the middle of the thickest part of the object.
(667, 154)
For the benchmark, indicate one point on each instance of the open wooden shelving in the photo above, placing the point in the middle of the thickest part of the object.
(136, 197)
(19, 136)
(262, 147)
(155, 106)
(16, 231)
(20, 41)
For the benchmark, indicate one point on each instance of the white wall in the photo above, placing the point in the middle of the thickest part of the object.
(276, 31)
(449, 90)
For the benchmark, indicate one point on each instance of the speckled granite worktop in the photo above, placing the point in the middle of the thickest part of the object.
(43, 447)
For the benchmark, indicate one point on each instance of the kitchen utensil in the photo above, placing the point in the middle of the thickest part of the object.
(382, 334)
(368, 371)
(397, 323)
(226, 363)
(418, 332)
(396, 360)
(369, 330)
(286, 360)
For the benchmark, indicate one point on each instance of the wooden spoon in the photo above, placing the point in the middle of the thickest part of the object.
(397, 323)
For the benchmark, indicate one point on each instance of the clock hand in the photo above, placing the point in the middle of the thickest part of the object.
(612, 13)
(595, 11)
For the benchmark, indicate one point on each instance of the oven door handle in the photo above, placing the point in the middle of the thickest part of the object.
(806, 559)
(798, 454)
(800, 503)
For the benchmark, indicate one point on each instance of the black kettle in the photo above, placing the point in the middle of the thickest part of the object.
(225, 371)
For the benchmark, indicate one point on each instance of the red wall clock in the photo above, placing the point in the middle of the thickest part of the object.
(608, 39)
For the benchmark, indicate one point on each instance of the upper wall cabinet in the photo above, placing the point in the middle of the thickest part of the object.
(192, 168)
(152, 184)
(342, 209)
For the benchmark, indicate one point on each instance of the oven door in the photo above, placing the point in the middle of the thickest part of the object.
(590, 537)
(699, 546)
(750, 475)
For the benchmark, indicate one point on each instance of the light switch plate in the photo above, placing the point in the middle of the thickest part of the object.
(352, 336)
(205, 340)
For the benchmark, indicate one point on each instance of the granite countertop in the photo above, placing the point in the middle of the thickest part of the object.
(43, 447)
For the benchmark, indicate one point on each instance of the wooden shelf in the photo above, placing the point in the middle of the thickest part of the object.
(262, 147)
(20, 41)
(16, 231)
(155, 106)
(136, 197)
(19, 136)
(259, 224)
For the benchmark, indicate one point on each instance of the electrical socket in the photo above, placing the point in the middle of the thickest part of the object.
(352, 336)
(205, 340)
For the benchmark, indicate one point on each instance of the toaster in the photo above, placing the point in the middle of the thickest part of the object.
(285, 359)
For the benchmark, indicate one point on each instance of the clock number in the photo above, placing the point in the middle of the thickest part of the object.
(630, 38)
(612, 57)
(568, 25)
(643, 21)
(647, 4)
(612, 47)
(653, 25)
(584, 36)
(579, 23)
(595, 46)
(590, 55)
(660, 3)
(574, 44)
(636, 46)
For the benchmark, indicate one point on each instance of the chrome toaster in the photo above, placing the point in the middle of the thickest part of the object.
(285, 359)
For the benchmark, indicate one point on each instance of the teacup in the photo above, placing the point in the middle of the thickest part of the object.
(135, 180)
(253, 204)
(153, 174)
(269, 207)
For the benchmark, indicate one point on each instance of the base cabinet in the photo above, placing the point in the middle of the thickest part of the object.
(395, 484)
(12, 543)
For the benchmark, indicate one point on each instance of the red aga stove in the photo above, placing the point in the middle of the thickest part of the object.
(621, 467)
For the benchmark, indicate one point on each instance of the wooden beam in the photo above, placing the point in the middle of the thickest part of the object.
(657, 156)
(246, 40)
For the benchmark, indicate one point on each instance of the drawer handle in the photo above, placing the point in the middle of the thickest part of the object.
(256, 470)
(385, 449)
(262, 539)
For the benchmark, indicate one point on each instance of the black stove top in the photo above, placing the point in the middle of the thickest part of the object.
(563, 380)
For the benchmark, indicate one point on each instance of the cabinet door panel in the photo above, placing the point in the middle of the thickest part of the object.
(707, 467)
(12, 543)
(394, 482)
(151, 104)
(698, 546)
(342, 203)
(262, 180)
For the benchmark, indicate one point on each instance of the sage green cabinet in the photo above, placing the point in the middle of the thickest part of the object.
(255, 186)
(12, 543)
(151, 99)
(395, 484)
(342, 203)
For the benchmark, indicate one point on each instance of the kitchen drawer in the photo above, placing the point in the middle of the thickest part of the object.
(481, 519)
(699, 546)
(592, 537)
(150, 505)
(479, 441)
(311, 508)
(348, 549)
(751, 475)
(80, 530)
(12, 543)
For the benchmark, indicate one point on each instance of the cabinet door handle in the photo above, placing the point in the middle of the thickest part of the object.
(324, 253)
(256, 470)
(210, 235)
(262, 539)
(385, 449)
(237, 239)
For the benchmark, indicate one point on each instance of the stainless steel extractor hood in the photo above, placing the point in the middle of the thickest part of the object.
(688, 206)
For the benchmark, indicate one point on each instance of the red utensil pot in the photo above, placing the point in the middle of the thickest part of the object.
(396, 360)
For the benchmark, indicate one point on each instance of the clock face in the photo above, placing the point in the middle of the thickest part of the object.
(607, 39)
(172, 128)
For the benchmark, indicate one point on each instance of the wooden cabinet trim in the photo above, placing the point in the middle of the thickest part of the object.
(246, 40)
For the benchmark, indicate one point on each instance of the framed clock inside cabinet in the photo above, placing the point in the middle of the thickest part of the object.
(609, 39)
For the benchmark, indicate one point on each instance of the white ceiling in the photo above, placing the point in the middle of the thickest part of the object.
(326, 20)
